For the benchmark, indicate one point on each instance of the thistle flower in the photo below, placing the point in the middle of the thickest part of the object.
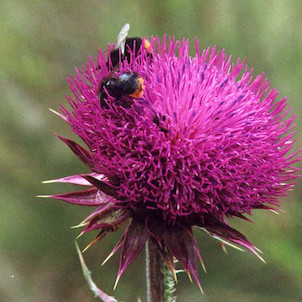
(206, 141)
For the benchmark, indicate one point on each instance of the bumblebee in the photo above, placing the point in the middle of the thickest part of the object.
(127, 84)
(124, 46)
(132, 45)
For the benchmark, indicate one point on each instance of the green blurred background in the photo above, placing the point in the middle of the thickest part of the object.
(40, 44)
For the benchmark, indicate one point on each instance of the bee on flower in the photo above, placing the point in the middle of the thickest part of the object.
(200, 141)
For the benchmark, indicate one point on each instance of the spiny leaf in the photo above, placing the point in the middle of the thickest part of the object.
(87, 274)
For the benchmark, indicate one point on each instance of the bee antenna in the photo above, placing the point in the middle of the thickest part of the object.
(121, 38)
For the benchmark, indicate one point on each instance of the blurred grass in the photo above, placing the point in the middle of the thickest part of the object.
(40, 44)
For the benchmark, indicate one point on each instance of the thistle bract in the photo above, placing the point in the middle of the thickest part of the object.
(205, 142)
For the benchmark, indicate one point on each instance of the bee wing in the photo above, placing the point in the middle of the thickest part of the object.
(121, 38)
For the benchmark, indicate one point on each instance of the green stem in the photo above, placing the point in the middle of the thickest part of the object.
(169, 285)
(155, 276)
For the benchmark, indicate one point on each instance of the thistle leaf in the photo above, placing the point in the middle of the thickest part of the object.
(87, 274)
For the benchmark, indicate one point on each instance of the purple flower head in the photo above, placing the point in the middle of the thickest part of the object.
(205, 141)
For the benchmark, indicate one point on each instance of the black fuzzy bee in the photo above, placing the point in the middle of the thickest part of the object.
(127, 84)
(126, 47)
(131, 47)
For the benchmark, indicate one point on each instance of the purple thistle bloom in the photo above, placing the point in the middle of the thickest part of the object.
(206, 141)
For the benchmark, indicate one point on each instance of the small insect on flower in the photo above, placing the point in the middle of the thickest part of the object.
(126, 48)
(128, 83)
(159, 120)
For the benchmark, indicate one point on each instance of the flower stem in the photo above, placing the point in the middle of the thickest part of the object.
(155, 277)
(169, 285)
